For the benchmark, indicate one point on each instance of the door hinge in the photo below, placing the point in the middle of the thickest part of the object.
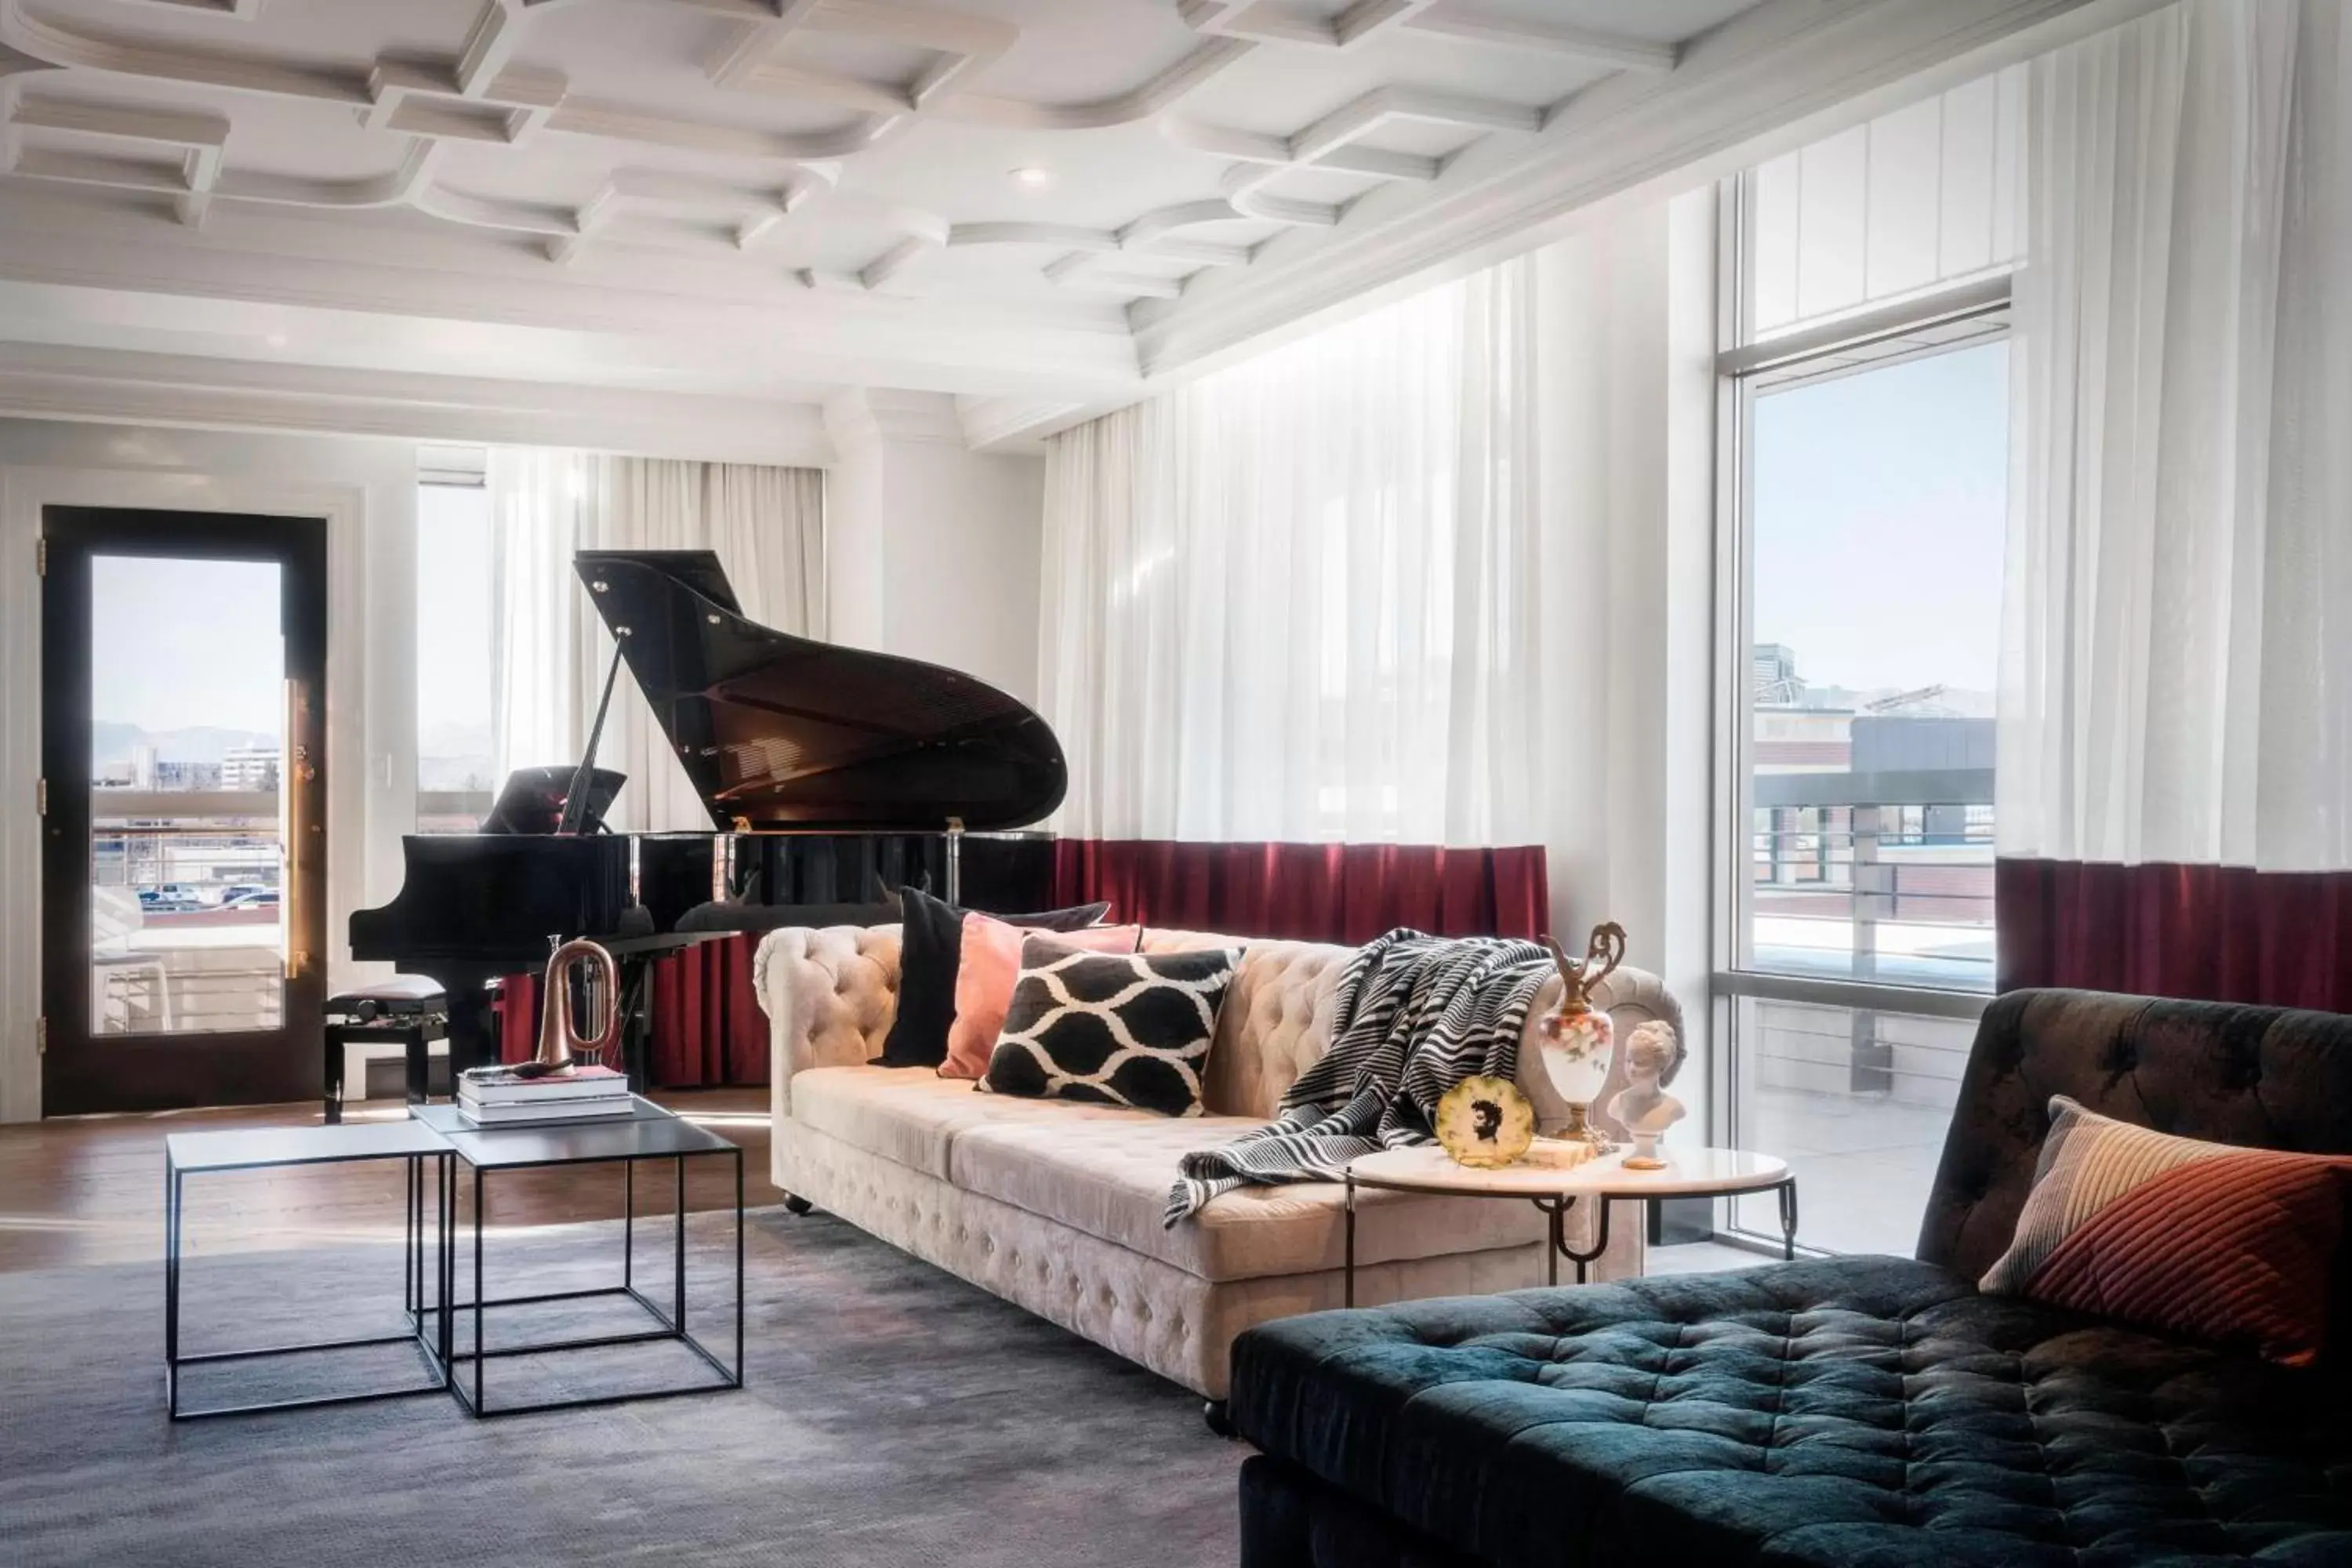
(41, 1036)
(41, 798)
(41, 556)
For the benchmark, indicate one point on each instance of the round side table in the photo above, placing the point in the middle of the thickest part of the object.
(1544, 1179)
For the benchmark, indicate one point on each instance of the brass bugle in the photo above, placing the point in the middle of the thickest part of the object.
(558, 1041)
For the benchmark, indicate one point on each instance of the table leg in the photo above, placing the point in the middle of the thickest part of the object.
(481, 1346)
(628, 1223)
(678, 1284)
(739, 1267)
(1583, 1260)
(1348, 1298)
(1787, 1194)
(412, 1238)
(171, 1287)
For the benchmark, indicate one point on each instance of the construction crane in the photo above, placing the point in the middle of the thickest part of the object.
(1905, 700)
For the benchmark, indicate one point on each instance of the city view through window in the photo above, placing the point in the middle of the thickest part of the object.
(1876, 515)
(187, 683)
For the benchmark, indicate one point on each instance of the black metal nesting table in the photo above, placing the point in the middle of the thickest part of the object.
(271, 1147)
(652, 1133)
(439, 1134)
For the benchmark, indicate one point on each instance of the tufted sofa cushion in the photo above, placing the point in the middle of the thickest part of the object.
(1110, 1180)
(1871, 1411)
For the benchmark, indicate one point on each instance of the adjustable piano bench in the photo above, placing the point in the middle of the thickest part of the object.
(409, 1011)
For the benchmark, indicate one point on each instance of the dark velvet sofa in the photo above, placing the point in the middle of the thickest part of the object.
(1846, 1413)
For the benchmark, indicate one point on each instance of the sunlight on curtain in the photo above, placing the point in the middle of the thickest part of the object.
(1299, 599)
(2178, 644)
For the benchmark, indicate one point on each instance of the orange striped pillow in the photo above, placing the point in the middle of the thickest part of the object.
(2209, 1241)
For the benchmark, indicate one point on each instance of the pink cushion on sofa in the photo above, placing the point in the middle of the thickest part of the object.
(989, 967)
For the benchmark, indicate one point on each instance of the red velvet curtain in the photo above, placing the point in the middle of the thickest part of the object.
(707, 1029)
(2219, 934)
(1309, 892)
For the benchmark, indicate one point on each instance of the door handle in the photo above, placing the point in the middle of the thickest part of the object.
(296, 771)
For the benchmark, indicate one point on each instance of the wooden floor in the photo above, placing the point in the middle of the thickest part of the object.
(90, 1189)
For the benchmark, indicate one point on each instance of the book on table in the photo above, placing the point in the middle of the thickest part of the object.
(504, 1086)
(497, 1097)
(620, 1105)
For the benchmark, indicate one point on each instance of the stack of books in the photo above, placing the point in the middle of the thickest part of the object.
(500, 1097)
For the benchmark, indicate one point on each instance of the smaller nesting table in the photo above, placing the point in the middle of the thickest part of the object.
(1554, 1187)
(273, 1148)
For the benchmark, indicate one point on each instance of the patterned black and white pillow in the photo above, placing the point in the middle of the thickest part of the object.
(1112, 1028)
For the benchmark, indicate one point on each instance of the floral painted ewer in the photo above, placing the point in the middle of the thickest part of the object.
(1577, 1038)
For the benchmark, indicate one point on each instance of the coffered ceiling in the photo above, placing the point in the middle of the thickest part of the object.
(1023, 199)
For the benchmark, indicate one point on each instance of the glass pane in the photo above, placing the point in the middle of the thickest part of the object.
(1857, 1102)
(454, 767)
(1877, 510)
(187, 700)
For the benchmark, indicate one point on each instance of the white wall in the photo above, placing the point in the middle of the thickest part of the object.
(1628, 493)
(365, 493)
(932, 549)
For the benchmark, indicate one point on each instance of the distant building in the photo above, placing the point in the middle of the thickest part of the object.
(250, 768)
(1777, 682)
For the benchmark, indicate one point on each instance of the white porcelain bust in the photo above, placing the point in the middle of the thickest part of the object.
(1644, 1108)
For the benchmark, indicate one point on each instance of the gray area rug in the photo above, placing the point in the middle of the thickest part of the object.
(894, 1414)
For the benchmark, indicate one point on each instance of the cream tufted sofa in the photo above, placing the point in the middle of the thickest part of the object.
(1055, 1205)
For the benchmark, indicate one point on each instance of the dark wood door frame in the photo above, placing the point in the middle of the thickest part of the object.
(80, 1072)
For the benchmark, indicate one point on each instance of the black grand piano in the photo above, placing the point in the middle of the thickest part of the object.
(833, 776)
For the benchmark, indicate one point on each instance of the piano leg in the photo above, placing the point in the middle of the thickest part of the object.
(636, 1022)
(472, 1029)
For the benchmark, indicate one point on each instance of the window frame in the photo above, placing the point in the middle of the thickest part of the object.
(462, 469)
(1940, 319)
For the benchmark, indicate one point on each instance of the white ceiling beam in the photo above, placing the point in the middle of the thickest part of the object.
(126, 123)
(1198, 67)
(780, 80)
(1473, 23)
(489, 44)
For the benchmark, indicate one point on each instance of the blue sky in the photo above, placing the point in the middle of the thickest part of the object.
(1879, 508)
(176, 644)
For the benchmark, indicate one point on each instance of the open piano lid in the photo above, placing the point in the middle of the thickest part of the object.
(784, 733)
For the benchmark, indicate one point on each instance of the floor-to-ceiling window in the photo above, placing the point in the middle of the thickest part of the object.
(454, 766)
(1865, 384)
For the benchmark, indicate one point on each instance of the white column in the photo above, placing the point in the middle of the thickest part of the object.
(1628, 496)
(932, 548)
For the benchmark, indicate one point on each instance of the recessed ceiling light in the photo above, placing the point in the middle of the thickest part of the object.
(276, 340)
(1034, 177)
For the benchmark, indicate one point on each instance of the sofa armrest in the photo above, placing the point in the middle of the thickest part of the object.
(829, 994)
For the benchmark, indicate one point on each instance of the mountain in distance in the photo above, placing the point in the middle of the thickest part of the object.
(111, 740)
(455, 756)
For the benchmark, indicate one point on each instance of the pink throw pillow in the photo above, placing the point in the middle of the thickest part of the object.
(988, 969)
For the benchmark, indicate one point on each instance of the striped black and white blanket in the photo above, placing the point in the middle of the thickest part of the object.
(1414, 1015)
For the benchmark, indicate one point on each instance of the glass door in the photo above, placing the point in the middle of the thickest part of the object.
(184, 825)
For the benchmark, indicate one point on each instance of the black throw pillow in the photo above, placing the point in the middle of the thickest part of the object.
(1113, 1028)
(930, 953)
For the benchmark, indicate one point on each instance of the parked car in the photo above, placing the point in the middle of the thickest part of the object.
(255, 899)
(171, 898)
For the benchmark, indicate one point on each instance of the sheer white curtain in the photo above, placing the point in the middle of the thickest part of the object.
(552, 648)
(1300, 599)
(2177, 663)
